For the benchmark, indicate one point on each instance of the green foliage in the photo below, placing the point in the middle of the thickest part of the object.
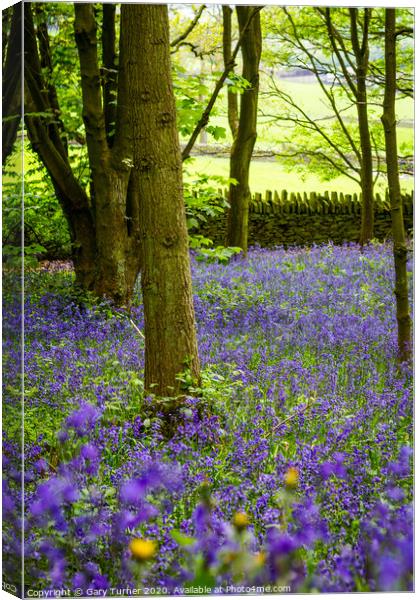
(218, 254)
(46, 231)
(65, 75)
(192, 94)
(202, 202)
(12, 255)
(313, 139)
(237, 84)
(216, 132)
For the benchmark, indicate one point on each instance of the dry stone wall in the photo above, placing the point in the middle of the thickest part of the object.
(301, 219)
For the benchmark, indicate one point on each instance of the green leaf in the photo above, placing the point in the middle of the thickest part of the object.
(217, 132)
(182, 539)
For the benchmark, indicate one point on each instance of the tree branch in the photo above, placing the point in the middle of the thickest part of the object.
(314, 125)
(49, 148)
(321, 155)
(37, 87)
(329, 95)
(232, 97)
(190, 27)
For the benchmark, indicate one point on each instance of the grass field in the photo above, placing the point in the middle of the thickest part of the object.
(307, 94)
(271, 175)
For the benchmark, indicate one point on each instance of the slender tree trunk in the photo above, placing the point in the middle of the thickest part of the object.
(171, 345)
(232, 97)
(203, 132)
(357, 62)
(116, 271)
(47, 142)
(398, 231)
(243, 144)
(12, 91)
(73, 201)
(361, 53)
(366, 170)
(204, 119)
(56, 130)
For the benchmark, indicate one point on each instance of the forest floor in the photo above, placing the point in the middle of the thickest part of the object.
(289, 466)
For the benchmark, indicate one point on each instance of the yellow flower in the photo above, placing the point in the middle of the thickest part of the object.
(143, 549)
(260, 559)
(291, 479)
(240, 520)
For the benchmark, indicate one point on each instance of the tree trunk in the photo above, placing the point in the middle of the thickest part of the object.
(117, 252)
(109, 69)
(46, 142)
(361, 52)
(116, 271)
(398, 231)
(232, 97)
(203, 132)
(171, 345)
(243, 144)
(12, 91)
(104, 229)
(366, 168)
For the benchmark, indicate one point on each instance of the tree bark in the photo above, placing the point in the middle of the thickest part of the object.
(232, 97)
(171, 345)
(47, 143)
(243, 145)
(109, 69)
(398, 231)
(357, 62)
(12, 90)
(361, 53)
(110, 170)
(104, 228)
(46, 65)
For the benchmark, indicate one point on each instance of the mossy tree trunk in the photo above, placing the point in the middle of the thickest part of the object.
(110, 167)
(171, 345)
(398, 231)
(109, 69)
(243, 144)
(104, 227)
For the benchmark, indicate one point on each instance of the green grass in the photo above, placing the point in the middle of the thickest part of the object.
(271, 175)
(307, 94)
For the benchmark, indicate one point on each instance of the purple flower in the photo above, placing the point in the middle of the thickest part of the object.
(390, 571)
(132, 492)
(89, 451)
(83, 419)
